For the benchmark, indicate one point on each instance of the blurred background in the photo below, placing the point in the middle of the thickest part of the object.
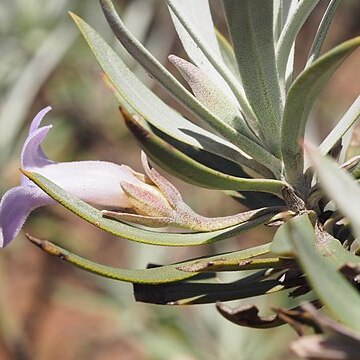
(51, 310)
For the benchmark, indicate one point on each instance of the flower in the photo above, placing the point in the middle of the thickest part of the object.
(96, 182)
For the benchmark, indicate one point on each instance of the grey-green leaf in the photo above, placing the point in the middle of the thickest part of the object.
(300, 99)
(340, 187)
(156, 112)
(289, 33)
(333, 289)
(345, 123)
(322, 31)
(250, 25)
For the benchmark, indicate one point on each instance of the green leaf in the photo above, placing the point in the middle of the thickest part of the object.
(251, 28)
(332, 288)
(289, 33)
(322, 31)
(300, 99)
(346, 122)
(153, 275)
(280, 244)
(94, 216)
(178, 163)
(189, 293)
(339, 186)
(156, 112)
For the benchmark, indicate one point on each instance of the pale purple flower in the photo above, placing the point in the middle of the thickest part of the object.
(96, 182)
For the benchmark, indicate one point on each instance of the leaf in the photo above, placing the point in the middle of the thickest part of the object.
(342, 127)
(227, 53)
(179, 12)
(199, 16)
(280, 244)
(156, 112)
(158, 71)
(94, 216)
(283, 9)
(190, 293)
(250, 25)
(155, 143)
(322, 31)
(212, 97)
(339, 186)
(248, 315)
(176, 162)
(289, 33)
(332, 288)
(300, 99)
(153, 275)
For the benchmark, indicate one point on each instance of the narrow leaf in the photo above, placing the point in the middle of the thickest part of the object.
(340, 187)
(332, 288)
(289, 33)
(322, 31)
(346, 122)
(157, 70)
(156, 112)
(300, 99)
(94, 216)
(250, 25)
(176, 162)
(153, 275)
(181, 15)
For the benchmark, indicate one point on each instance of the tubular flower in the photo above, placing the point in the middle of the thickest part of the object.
(96, 182)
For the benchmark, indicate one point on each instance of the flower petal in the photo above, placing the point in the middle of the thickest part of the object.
(37, 119)
(15, 207)
(95, 182)
(32, 155)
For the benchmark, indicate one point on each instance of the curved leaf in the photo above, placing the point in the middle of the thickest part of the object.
(289, 33)
(94, 216)
(176, 162)
(340, 187)
(212, 57)
(156, 112)
(322, 31)
(154, 275)
(300, 99)
(158, 71)
(332, 288)
(342, 127)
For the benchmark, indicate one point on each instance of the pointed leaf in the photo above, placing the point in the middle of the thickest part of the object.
(176, 162)
(178, 12)
(340, 187)
(94, 216)
(346, 122)
(251, 28)
(153, 275)
(322, 31)
(289, 33)
(300, 99)
(156, 112)
(157, 70)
